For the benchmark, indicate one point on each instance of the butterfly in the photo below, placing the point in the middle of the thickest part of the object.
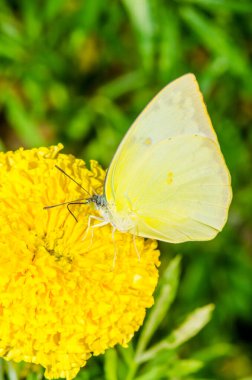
(168, 179)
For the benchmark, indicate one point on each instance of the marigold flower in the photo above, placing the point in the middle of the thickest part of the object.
(61, 299)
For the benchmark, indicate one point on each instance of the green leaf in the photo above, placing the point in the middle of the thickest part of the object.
(21, 121)
(171, 369)
(191, 326)
(32, 24)
(123, 84)
(10, 49)
(51, 8)
(169, 51)
(80, 125)
(217, 41)
(2, 149)
(110, 365)
(1, 369)
(142, 19)
(126, 353)
(11, 371)
(166, 295)
(215, 351)
(109, 110)
(193, 323)
(89, 13)
(236, 6)
(183, 368)
(156, 373)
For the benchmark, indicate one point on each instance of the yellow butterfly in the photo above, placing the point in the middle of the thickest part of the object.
(168, 179)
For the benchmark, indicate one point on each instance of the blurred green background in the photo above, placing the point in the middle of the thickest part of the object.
(79, 72)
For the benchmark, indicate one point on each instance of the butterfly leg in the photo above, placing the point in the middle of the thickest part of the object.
(103, 223)
(90, 218)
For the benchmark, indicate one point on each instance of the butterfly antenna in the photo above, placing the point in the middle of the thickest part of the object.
(76, 201)
(77, 183)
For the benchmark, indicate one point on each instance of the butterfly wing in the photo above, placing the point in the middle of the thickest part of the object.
(168, 172)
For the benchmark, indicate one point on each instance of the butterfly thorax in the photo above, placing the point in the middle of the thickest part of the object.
(122, 220)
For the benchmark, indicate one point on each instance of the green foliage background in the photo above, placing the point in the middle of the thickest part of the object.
(79, 72)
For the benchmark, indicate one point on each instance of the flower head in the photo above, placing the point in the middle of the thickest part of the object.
(61, 298)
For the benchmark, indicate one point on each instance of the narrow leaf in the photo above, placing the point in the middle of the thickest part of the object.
(153, 373)
(11, 371)
(166, 295)
(217, 41)
(110, 365)
(191, 326)
(126, 353)
(1, 369)
(183, 368)
(123, 84)
(141, 17)
(230, 5)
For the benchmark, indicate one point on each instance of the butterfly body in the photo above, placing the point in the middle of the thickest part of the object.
(122, 220)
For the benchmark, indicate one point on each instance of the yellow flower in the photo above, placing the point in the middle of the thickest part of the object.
(61, 298)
